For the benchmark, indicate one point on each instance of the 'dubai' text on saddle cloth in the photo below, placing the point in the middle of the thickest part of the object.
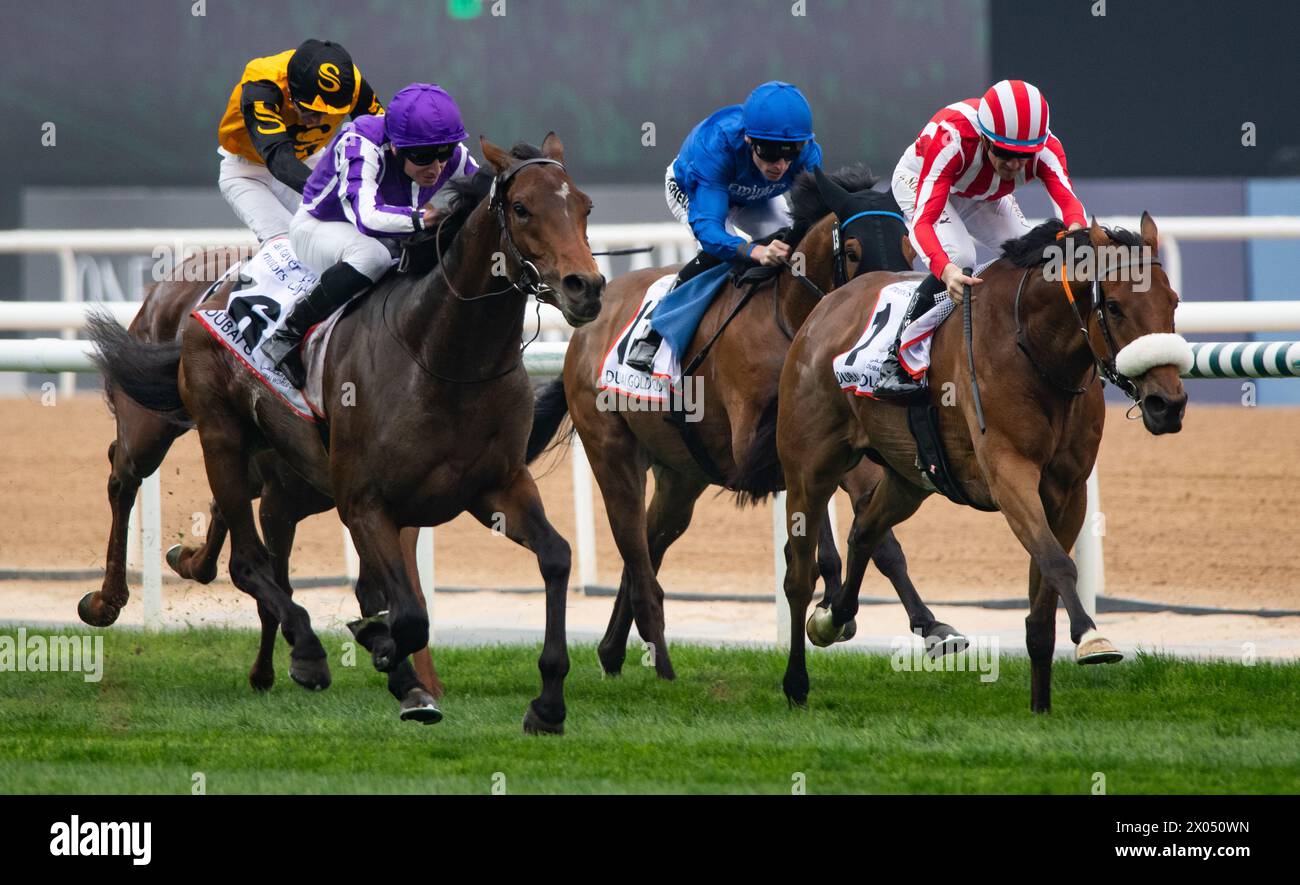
(666, 374)
(269, 283)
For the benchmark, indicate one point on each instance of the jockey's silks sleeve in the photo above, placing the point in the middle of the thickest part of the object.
(367, 101)
(262, 103)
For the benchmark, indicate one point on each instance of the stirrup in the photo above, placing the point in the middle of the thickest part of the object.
(895, 382)
(642, 355)
(288, 360)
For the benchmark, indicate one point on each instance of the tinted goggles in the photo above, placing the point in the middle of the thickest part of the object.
(426, 154)
(1004, 154)
(775, 151)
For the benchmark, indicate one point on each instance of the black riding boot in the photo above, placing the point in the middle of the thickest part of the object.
(894, 379)
(641, 355)
(335, 287)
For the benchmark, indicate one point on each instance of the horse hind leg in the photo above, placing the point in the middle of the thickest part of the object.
(143, 440)
(893, 501)
(252, 566)
(199, 563)
(888, 557)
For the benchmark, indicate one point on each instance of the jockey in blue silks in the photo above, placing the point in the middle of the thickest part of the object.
(731, 175)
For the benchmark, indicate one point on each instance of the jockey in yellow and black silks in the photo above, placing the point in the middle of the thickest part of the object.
(283, 111)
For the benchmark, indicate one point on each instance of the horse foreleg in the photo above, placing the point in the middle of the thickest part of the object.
(417, 704)
(526, 524)
(200, 563)
(422, 658)
(1015, 483)
(142, 442)
(671, 508)
(1066, 518)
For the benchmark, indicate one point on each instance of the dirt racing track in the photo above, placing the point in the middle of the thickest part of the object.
(1206, 519)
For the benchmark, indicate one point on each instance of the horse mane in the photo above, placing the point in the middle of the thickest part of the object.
(1030, 250)
(807, 207)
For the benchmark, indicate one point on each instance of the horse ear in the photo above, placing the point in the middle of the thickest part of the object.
(499, 160)
(553, 148)
(1096, 235)
(834, 195)
(1150, 235)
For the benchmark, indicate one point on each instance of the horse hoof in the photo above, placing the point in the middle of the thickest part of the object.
(535, 724)
(174, 559)
(261, 680)
(1095, 649)
(821, 628)
(106, 616)
(420, 706)
(850, 630)
(312, 674)
(943, 642)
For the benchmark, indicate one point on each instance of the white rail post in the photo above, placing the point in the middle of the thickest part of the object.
(1089, 556)
(133, 535)
(351, 561)
(70, 291)
(424, 565)
(151, 549)
(584, 515)
(778, 566)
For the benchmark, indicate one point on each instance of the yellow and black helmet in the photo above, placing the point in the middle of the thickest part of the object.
(322, 77)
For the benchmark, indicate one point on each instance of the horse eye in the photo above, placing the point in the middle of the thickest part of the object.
(520, 210)
(1114, 310)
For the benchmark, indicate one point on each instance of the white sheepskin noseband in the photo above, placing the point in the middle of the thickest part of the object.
(1156, 349)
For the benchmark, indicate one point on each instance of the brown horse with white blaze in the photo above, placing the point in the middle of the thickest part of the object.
(436, 417)
(1040, 342)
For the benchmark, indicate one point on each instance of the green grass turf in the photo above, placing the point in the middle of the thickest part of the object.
(176, 703)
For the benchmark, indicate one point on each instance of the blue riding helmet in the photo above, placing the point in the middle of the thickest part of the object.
(777, 111)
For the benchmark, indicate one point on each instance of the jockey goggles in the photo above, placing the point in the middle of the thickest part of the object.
(1004, 154)
(776, 151)
(423, 155)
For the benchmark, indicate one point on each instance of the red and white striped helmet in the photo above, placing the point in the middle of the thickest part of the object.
(1013, 115)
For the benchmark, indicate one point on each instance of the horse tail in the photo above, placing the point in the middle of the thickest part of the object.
(143, 370)
(548, 413)
(760, 473)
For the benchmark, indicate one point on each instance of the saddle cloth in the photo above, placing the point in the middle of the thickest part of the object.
(858, 369)
(268, 285)
(665, 375)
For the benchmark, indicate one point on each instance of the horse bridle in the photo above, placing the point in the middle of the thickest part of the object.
(1097, 303)
(529, 281)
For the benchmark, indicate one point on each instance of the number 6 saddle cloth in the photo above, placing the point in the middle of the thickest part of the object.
(268, 285)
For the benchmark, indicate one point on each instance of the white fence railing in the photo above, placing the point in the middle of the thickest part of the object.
(671, 243)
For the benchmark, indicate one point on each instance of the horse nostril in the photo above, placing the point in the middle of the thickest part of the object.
(584, 284)
(1156, 405)
(574, 284)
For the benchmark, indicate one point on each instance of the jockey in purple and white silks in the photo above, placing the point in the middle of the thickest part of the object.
(374, 183)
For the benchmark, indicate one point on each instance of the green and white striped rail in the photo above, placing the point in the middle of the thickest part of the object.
(1245, 359)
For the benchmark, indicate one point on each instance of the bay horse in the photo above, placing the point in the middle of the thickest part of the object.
(432, 417)
(1043, 341)
(737, 427)
(143, 439)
